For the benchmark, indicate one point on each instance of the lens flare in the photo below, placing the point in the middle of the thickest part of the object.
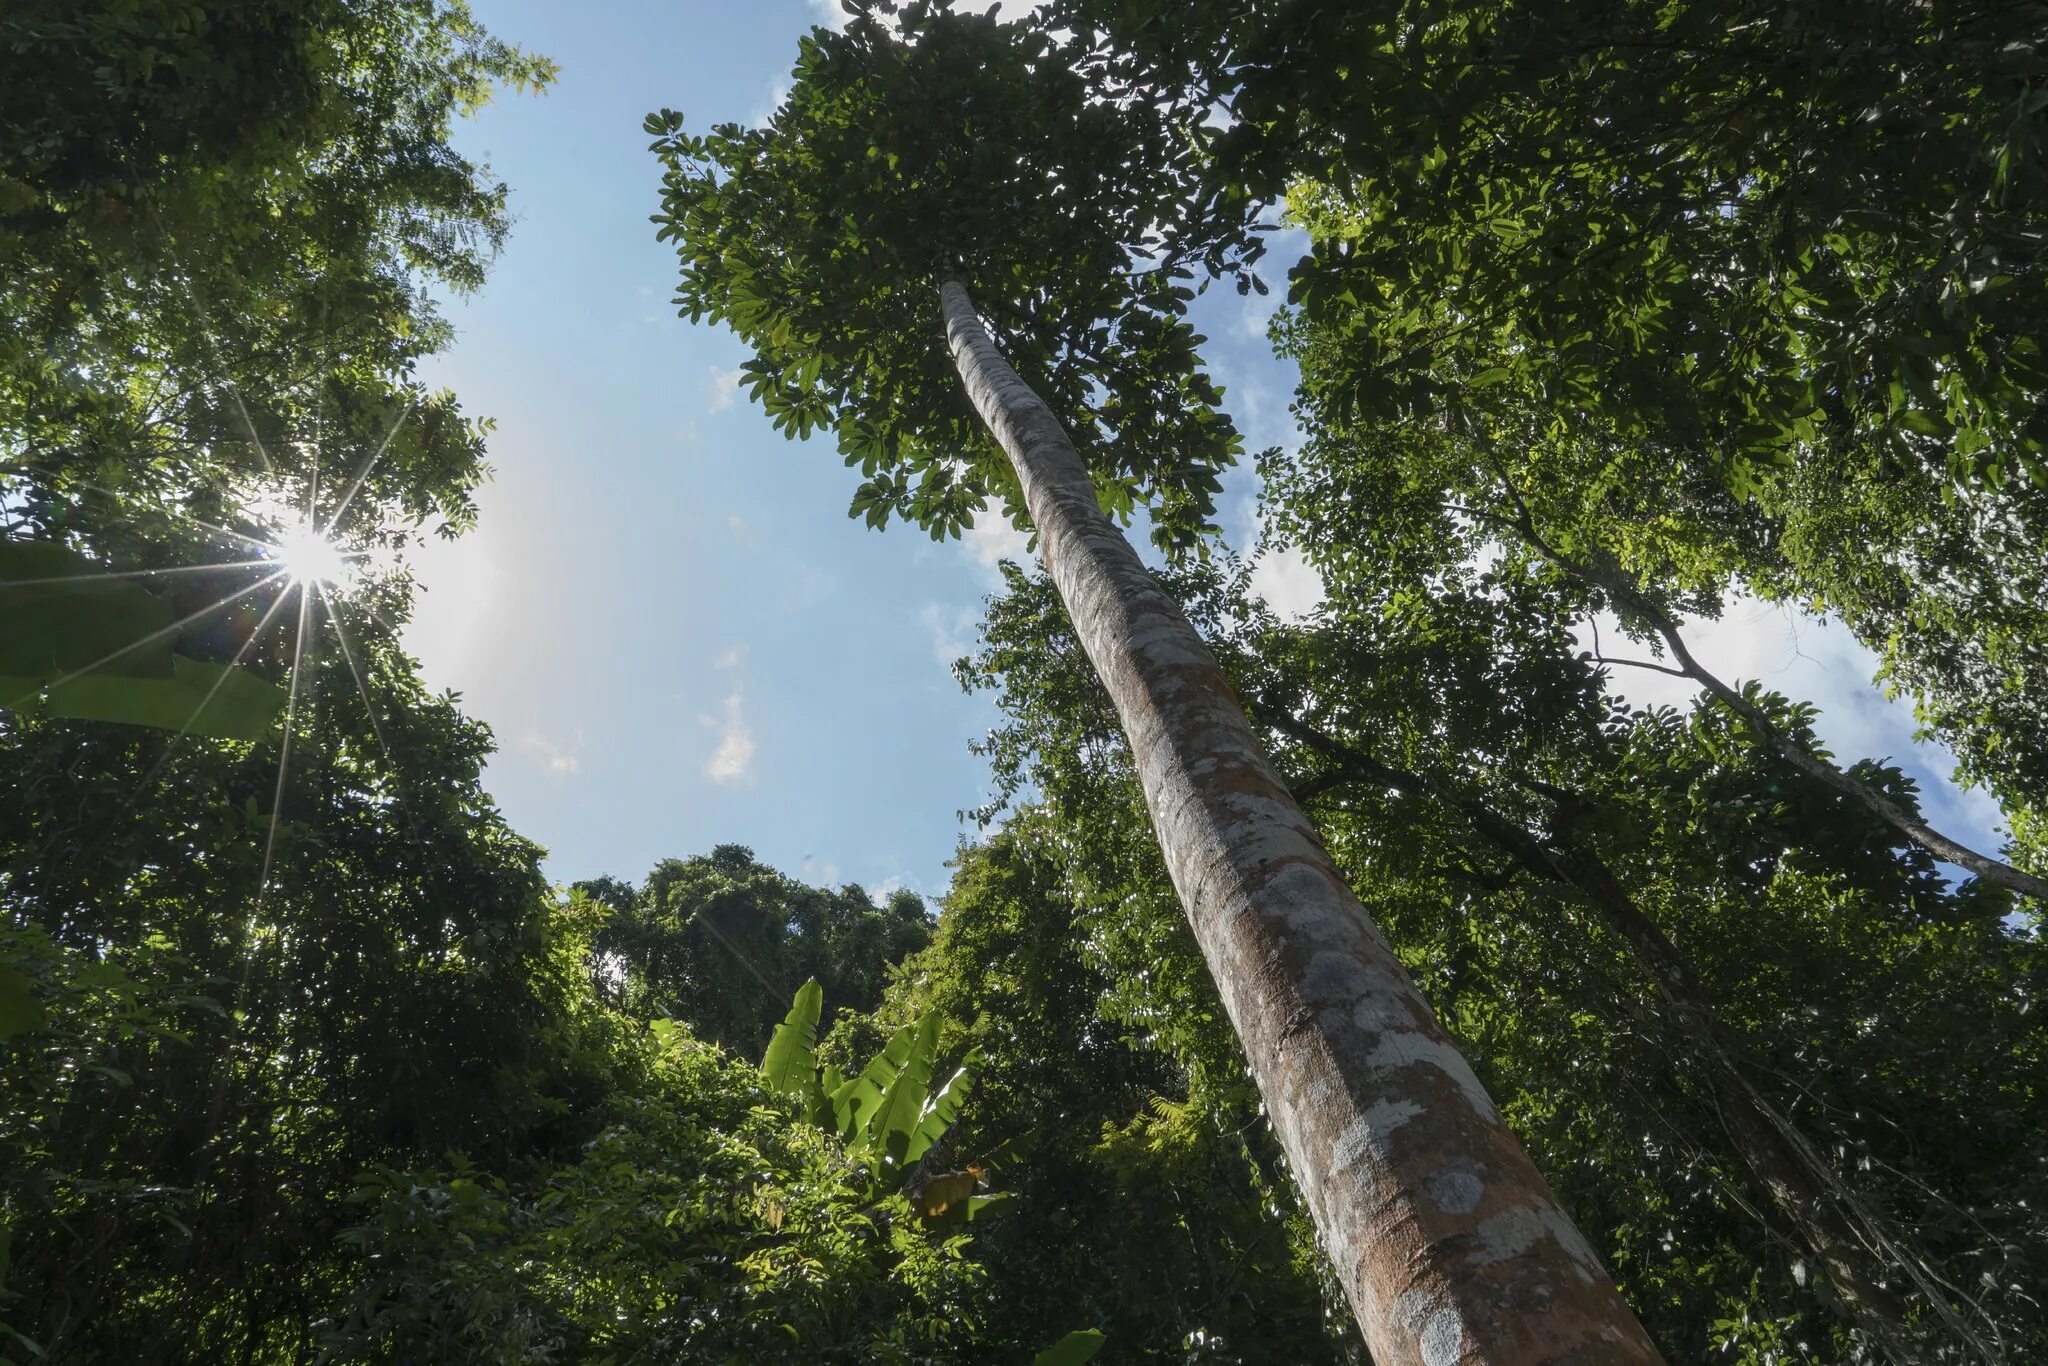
(310, 557)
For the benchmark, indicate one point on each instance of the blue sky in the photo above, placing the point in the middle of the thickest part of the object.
(676, 632)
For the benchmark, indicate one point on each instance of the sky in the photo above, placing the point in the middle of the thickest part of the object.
(676, 633)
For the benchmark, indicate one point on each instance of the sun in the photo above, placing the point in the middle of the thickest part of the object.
(308, 556)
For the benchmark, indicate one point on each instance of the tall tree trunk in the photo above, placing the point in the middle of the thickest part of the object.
(1445, 1237)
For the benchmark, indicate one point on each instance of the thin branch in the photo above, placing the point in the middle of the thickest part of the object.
(1623, 591)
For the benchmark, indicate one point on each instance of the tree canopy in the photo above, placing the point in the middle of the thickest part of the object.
(1607, 312)
(922, 143)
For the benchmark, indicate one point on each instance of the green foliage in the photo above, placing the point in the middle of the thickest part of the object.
(221, 225)
(791, 1063)
(1190, 1249)
(920, 143)
(1729, 229)
(887, 1114)
(197, 699)
(221, 1055)
(1468, 761)
(100, 649)
(1071, 1350)
(308, 1060)
(1745, 293)
(722, 941)
(700, 1224)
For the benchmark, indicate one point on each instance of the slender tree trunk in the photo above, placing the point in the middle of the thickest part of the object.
(1446, 1239)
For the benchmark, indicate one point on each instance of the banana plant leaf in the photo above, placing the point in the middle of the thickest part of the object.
(791, 1063)
(59, 614)
(1071, 1350)
(942, 1110)
(199, 698)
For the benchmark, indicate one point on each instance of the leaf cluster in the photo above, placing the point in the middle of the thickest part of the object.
(921, 143)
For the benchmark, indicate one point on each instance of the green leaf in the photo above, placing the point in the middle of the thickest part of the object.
(818, 1103)
(944, 1108)
(863, 1095)
(1071, 1350)
(203, 699)
(903, 1105)
(20, 1011)
(791, 1061)
(59, 614)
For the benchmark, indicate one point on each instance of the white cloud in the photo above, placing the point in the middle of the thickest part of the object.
(778, 91)
(730, 659)
(991, 537)
(1817, 660)
(807, 587)
(725, 387)
(733, 760)
(1288, 582)
(953, 630)
(557, 759)
(651, 311)
(886, 888)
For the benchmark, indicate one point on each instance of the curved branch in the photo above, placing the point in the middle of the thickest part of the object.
(1831, 775)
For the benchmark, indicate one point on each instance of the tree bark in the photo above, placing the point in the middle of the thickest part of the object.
(1445, 1237)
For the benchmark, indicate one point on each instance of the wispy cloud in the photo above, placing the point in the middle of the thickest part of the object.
(725, 387)
(559, 760)
(953, 630)
(733, 760)
(730, 659)
(1818, 660)
(807, 586)
(778, 91)
(991, 538)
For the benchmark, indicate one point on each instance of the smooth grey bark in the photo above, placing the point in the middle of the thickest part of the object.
(1448, 1242)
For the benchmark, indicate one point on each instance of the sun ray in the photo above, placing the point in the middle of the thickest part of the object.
(265, 546)
(136, 573)
(262, 625)
(313, 473)
(376, 724)
(176, 626)
(369, 463)
(375, 614)
(284, 750)
(198, 298)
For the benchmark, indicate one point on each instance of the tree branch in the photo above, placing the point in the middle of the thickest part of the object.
(1623, 591)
